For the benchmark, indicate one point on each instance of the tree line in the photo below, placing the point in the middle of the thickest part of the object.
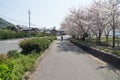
(101, 18)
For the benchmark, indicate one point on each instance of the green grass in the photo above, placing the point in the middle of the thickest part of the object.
(116, 52)
(105, 49)
(22, 64)
(15, 64)
(88, 42)
(91, 43)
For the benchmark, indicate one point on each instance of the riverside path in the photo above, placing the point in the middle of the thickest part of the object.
(65, 61)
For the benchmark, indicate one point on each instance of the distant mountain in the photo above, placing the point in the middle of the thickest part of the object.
(4, 23)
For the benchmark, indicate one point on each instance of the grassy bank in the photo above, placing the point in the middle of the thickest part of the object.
(15, 64)
(101, 47)
(22, 64)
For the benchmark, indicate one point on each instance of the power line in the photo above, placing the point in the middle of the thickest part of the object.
(11, 19)
(16, 21)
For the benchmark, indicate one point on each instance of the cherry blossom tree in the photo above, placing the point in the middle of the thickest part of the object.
(101, 18)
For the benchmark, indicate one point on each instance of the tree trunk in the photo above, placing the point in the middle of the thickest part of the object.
(107, 39)
(85, 35)
(99, 40)
(113, 28)
(99, 37)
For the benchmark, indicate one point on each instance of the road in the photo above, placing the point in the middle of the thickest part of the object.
(64, 61)
(7, 45)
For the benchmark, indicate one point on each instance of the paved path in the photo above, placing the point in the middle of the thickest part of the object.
(64, 61)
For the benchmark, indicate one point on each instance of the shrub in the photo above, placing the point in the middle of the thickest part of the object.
(13, 54)
(6, 34)
(43, 34)
(34, 45)
(3, 58)
(14, 64)
(29, 45)
(9, 34)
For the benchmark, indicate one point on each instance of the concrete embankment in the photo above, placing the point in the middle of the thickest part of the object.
(107, 57)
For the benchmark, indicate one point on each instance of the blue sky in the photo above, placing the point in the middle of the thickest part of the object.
(44, 13)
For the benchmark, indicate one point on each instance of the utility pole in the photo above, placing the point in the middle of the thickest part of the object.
(29, 13)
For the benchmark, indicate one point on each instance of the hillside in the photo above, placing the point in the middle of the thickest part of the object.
(4, 23)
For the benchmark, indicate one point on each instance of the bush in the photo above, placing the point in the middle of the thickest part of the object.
(34, 45)
(28, 46)
(9, 34)
(52, 38)
(14, 64)
(3, 58)
(6, 34)
(13, 54)
(43, 34)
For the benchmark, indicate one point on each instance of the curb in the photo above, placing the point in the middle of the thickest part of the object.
(111, 59)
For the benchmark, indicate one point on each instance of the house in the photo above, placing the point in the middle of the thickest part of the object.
(24, 28)
(61, 32)
(54, 31)
(14, 28)
(35, 30)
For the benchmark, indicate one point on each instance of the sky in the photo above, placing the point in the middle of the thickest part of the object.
(44, 13)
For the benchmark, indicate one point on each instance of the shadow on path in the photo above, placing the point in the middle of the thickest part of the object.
(110, 68)
(66, 46)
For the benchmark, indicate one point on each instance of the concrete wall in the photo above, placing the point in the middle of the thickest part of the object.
(109, 58)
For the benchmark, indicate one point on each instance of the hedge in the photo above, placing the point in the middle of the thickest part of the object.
(34, 45)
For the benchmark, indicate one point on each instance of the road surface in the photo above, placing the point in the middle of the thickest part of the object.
(7, 45)
(65, 61)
